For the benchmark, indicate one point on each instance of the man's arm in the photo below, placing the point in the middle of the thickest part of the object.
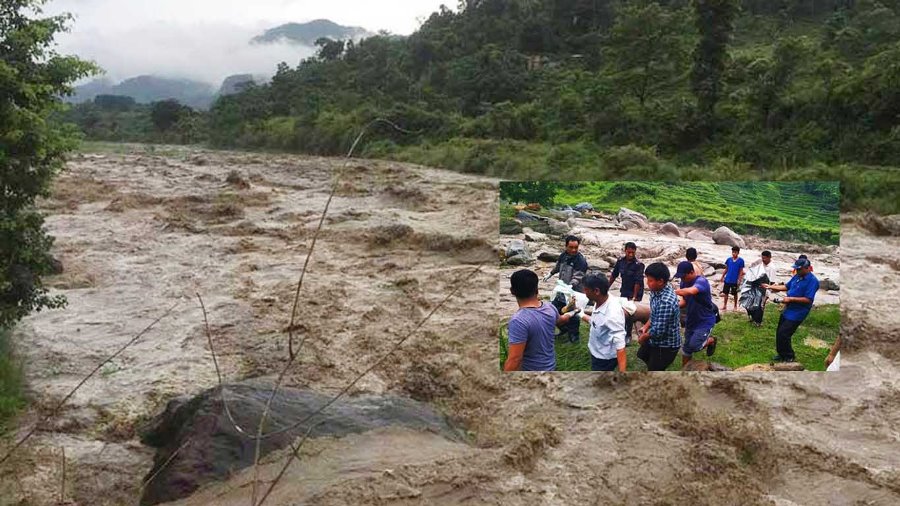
(565, 317)
(514, 358)
(614, 274)
(638, 283)
(616, 326)
(691, 290)
(722, 279)
(801, 300)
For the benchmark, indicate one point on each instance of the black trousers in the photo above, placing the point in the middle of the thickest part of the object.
(656, 358)
(783, 335)
(756, 314)
(570, 328)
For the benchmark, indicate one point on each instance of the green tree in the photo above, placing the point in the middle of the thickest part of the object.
(543, 193)
(715, 22)
(647, 48)
(32, 77)
(166, 113)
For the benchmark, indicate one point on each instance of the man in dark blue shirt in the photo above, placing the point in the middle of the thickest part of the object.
(571, 267)
(733, 276)
(632, 272)
(801, 292)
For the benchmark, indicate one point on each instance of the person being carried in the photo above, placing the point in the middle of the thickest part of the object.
(632, 272)
(607, 335)
(571, 267)
(530, 330)
(691, 256)
(701, 312)
(760, 272)
(732, 277)
(661, 336)
(801, 292)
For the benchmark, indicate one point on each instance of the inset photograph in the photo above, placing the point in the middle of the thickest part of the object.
(694, 276)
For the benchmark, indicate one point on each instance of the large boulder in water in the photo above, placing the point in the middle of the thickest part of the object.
(724, 235)
(584, 206)
(517, 247)
(558, 227)
(699, 235)
(670, 229)
(197, 443)
(632, 219)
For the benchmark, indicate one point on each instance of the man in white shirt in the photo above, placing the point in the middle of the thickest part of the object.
(607, 336)
(763, 265)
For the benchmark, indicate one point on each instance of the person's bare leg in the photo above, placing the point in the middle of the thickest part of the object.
(725, 305)
(684, 360)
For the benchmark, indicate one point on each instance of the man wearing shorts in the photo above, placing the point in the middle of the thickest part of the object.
(733, 275)
(696, 296)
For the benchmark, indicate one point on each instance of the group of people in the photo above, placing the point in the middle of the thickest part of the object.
(676, 319)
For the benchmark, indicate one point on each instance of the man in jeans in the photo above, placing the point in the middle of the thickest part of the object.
(701, 312)
(661, 335)
(801, 292)
(632, 272)
(530, 331)
(571, 267)
(607, 338)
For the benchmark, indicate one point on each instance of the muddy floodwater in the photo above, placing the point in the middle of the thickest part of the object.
(139, 232)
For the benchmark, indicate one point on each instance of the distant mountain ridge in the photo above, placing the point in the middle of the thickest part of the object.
(308, 33)
(148, 88)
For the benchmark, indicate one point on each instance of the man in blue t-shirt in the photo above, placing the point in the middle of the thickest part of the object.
(696, 296)
(733, 276)
(801, 292)
(531, 343)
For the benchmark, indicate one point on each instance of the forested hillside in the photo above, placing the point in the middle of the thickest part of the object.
(591, 89)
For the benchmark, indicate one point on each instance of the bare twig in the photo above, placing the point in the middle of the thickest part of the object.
(56, 409)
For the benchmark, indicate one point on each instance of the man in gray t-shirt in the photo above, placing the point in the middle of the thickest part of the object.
(531, 329)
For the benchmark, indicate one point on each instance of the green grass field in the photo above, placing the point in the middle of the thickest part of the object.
(11, 397)
(739, 342)
(806, 212)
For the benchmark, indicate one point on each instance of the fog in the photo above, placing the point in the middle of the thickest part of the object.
(208, 40)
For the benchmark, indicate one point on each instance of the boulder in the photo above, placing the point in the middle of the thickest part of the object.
(517, 247)
(699, 235)
(558, 227)
(584, 206)
(709, 271)
(670, 229)
(197, 443)
(526, 216)
(829, 284)
(632, 219)
(571, 223)
(548, 256)
(600, 264)
(532, 236)
(518, 260)
(724, 235)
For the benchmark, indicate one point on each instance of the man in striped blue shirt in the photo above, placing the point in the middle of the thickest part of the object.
(661, 335)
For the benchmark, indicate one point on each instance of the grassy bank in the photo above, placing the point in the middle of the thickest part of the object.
(740, 343)
(785, 210)
(11, 396)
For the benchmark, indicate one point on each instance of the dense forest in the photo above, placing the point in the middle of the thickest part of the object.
(585, 89)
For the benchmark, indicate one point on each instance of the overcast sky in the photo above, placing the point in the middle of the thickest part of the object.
(208, 39)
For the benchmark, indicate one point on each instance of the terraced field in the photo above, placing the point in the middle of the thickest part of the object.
(795, 211)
